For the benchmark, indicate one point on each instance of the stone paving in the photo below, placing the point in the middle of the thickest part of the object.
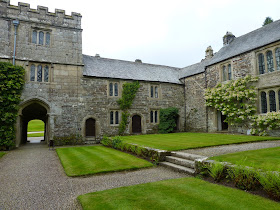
(32, 177)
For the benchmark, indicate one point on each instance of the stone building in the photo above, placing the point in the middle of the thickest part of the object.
(76, 93)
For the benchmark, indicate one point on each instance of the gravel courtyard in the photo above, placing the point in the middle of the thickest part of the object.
(32, 177)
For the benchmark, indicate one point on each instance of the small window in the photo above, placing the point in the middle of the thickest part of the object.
(111, 117)
(39, 73)
(277, 56)
(154, 116)
(41, 38)
(34, 37)
(229, 72)
(114, 117)
(46, 74)
(263, 102)
(224, 73)
(48, 38)
(32, 73)
(261, 63)
(111, 89)
(156, 92)
(152, 91)
(269, 58)
(272, 101)
(116, 89)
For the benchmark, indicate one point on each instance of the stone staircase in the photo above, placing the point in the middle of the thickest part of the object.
(182, 162)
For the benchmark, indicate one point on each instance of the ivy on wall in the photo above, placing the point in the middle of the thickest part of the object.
(128, 94)
(11, 85)
(168, 119)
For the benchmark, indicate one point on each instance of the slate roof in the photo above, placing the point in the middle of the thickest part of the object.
(194, 69)
(110, 68)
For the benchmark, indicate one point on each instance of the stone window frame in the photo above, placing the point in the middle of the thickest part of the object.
(154, 91)
(154, 116)
(46, 33)
(114, 83)
(225, 74)
(276, 60)
(116, 121)
(36, 72)
(268, 99)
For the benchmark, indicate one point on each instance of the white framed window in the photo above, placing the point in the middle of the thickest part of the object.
(114, 117)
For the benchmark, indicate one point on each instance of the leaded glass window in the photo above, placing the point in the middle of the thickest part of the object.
(156, 116)
(229, 72)
(224, 73)
(48, 38)
(277, 56)
(39, 73)
(111, 117)
(152, 91)
(116, 89)
(269, 58)
(34, 37)
(263, 102)
(41, 37)
(32, 73)
(152, 116)
(117, 117)
(272, 101)
(261, 63)
(156, 92)
(111, 89)
(46, 74)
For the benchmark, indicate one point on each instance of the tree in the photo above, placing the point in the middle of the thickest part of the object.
(267, 21)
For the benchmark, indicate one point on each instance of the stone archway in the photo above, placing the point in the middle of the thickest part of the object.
(30, 110)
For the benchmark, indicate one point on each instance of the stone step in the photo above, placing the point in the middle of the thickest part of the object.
(180, 161)
(187, 156)
(178, 168)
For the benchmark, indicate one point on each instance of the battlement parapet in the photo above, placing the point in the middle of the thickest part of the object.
(39, 15)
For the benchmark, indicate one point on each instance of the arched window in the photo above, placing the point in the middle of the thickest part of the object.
(39, 73)
(261, 63)
(229, 71)
(41, 37)
(116, 89)
(277, 56)
(46, 74)
(269, 58)
(34, 37)
(90, 127)
(224, 73)
(48, 38)
(263, 102)
(32, 73)
(272, 101)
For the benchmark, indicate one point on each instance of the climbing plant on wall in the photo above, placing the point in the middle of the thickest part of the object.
(168, 119)
(11, 85)
(128, 94)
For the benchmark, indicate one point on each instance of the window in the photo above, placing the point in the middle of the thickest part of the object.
(277, 56)
(263, 102)
(272, 101)
(46, 74)
(34, 37)
(224, 73)
(229, 72)
(32, 73)
(39, 73)
(154, 116)
(113, 89)
(48, 38)
(261, 63)
(269, 58)
(154, 91)
(114, 117)
(41, 38)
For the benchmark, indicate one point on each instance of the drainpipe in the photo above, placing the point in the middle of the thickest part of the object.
(16, 23)
(206, 108)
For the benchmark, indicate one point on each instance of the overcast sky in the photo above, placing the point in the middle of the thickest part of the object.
(166, 32)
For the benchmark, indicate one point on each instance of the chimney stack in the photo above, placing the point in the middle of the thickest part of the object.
(228, 38)
(209, 52)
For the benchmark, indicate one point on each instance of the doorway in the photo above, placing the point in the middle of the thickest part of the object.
(35, 131)
(136, 124)
(222, 125)
(90, 127)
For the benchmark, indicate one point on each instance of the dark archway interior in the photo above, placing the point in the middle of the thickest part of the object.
(32, 112)
(136, 124)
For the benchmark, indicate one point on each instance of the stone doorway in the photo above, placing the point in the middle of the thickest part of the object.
(222, 125)
(90, 127)
(136, 124)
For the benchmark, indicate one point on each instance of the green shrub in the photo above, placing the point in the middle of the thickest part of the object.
(11, 85)
(106, 141)
(216, 171)
(270, 181)
(168, 119)
(116, 142)
(123, 122)
(72, 139)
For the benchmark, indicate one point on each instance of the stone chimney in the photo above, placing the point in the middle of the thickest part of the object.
(97, 55)
(209, 52)
(138, 61)
(228, 38)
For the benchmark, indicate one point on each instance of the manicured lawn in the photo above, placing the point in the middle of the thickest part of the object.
(36, 125)
(78, 161)
(2, 154)
(267, 159)
(35, 134)
(179, 141)
(185, 193)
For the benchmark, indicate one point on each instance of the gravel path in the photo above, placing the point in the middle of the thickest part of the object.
(32, 177)
(225, 149)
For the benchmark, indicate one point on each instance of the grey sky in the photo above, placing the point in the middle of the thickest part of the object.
(166, 32)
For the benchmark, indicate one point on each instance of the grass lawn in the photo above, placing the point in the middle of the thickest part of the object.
(267, 159)
(36, 125)
(185, 193)
(2, 154)
(35, 134)
(179, 141)
(78, 161)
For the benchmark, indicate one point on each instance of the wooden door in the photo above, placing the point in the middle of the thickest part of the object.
(90, 127)
(136, 124)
